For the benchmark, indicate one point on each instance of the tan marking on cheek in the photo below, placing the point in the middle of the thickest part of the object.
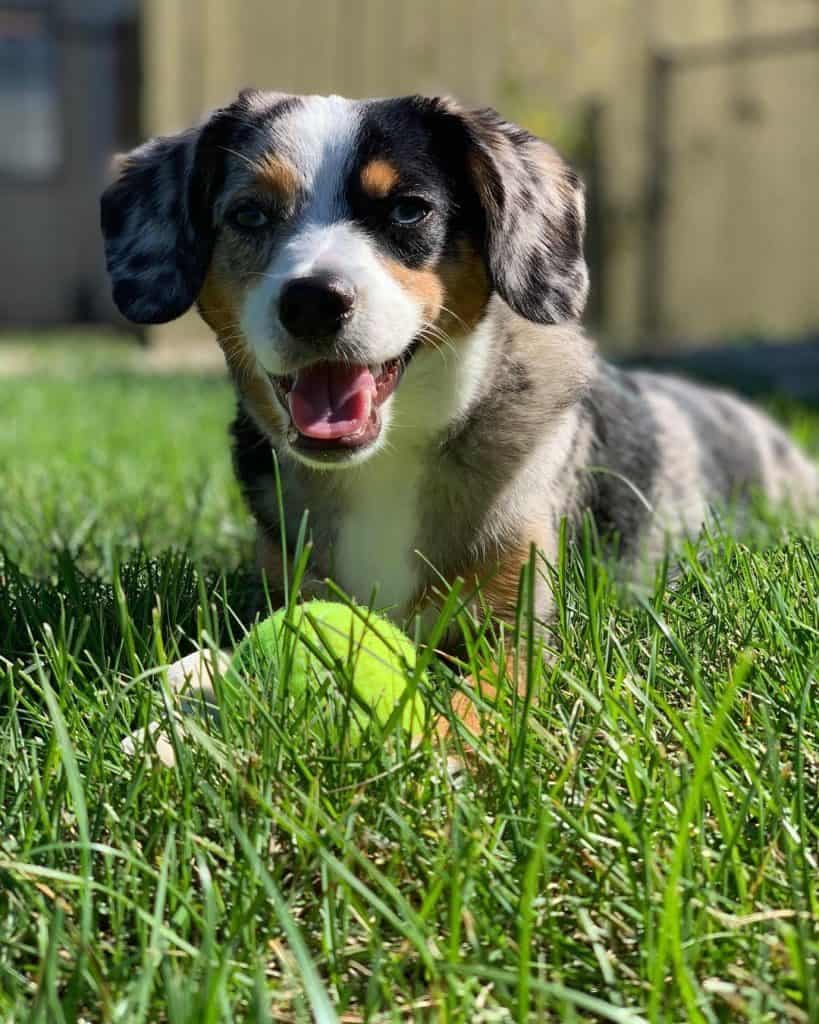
(424, 286)
(453, 296)
(466, 290)
(220, 303)
(379, 178)
(278, 177)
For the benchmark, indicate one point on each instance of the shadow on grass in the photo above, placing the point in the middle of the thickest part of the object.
(90, 613)
(783, 371)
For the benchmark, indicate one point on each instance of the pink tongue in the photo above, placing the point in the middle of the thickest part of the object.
(331, 400)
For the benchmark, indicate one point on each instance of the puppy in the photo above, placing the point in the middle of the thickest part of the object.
(397, 285)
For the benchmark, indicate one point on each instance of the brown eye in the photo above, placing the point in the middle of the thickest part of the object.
(409, 211)
(249, 217)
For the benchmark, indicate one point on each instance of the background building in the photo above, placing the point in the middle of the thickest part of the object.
(69, 96)
(695, 123)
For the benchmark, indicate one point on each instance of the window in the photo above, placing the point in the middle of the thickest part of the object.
(29, 100)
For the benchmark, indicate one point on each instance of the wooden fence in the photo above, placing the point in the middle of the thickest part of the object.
(724, 240)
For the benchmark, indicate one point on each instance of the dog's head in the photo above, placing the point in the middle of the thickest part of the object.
(332, 242)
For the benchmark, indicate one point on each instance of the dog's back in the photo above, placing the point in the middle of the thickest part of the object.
(665, 454)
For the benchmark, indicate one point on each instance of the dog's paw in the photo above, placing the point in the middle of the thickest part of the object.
(464, 710)
(190, 680)
(150, 739)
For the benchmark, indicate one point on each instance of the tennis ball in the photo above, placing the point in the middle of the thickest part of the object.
(321, 637)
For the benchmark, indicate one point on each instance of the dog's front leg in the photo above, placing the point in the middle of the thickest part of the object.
(498, 590)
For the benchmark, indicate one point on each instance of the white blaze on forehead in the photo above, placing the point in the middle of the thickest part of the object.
(318, 137)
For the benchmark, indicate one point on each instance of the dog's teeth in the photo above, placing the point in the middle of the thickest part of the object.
(292, 435)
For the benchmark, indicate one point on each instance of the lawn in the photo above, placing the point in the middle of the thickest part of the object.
(637, 842)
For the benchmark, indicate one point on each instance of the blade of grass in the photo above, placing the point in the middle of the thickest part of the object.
(317, 996)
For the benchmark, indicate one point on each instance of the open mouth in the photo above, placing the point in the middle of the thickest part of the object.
(334, 406)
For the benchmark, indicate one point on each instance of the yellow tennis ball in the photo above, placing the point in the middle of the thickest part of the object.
(321, 640)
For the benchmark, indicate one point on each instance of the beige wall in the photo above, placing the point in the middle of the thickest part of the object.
(741, 230)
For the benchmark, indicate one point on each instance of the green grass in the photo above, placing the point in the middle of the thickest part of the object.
(638, 841)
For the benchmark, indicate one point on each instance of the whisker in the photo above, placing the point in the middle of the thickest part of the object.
(216, 309)
(439, 336)
(239, 156)
(238, 336)
(454, 315)
(435, 327)
(264, 274)
(433, 334)
(259, 129)
(433, 343)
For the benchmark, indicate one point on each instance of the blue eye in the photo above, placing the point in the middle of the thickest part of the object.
(409, 211)
(249, 217)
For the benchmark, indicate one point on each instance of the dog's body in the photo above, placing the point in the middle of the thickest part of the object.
(648, 455)
(397, 285)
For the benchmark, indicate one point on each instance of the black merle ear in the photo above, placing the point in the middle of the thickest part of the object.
(534, 211)
(157, 220)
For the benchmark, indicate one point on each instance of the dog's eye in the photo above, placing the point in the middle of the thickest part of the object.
(249, 217)
(409, 211)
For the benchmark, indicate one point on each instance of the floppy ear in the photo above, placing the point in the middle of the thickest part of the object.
(156, 248)
(534, 213)
(157, 219)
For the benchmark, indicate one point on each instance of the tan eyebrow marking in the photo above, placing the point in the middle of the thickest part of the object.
(379, 178)
(277, 176)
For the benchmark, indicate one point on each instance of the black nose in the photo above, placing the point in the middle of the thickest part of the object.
(315, 306)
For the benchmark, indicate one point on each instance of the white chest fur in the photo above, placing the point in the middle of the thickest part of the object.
(377, 533)
(379, 530)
